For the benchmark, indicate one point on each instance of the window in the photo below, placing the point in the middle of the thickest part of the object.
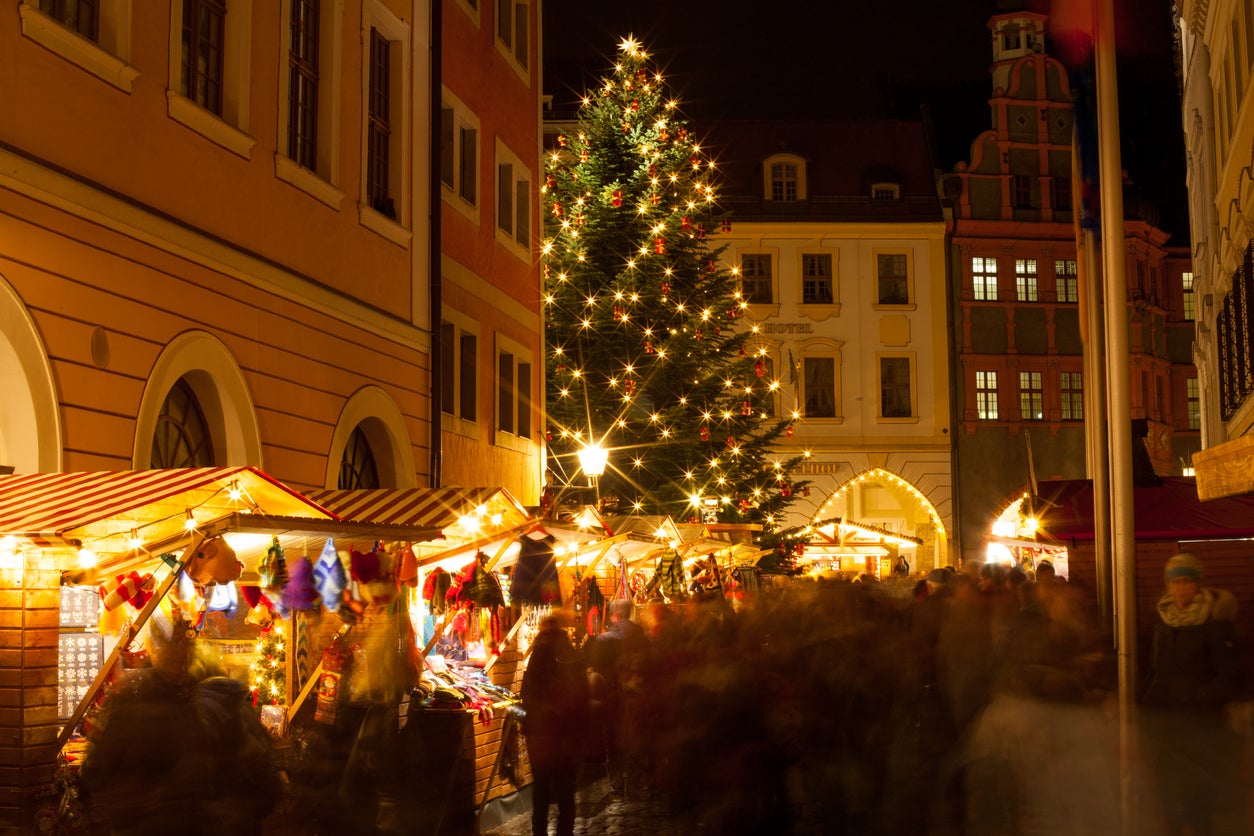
(1194, 402)
(514, 399)
(986, 396)
(1060, 194)
(1022, 191)
(816, 279)
(1186, 280)
(204, 42)
(302, 92)
(513, 197)
(984, 278)
(895, 388)
(819, 387)
(95, 35)
(892, 276)
(358, 469)
(1025, 279)
(784, 181)
(755, 278)
(511, 29)
(1031, 397)
(881, 192)
(77, 15)
(181, 437)
(459, 381)
(385, 138)
(459, 153)
(1065, 284)
(1071, 387)
(1011, 39)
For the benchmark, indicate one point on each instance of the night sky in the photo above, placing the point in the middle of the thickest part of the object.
(886, 58)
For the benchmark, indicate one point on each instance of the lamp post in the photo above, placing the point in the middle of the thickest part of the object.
(592, 459)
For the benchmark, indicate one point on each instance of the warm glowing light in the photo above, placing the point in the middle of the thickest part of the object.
(190, 522)
(86, 558)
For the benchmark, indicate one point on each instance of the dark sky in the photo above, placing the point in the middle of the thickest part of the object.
(883, 58)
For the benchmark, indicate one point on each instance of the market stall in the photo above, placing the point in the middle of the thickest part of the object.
(848, 548)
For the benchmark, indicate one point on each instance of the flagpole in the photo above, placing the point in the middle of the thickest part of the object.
(1123, 536)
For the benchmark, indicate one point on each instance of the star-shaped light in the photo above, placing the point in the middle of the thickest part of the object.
(629, 45)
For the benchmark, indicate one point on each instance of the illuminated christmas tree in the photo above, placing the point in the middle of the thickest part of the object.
(650, 352)
(268, 680)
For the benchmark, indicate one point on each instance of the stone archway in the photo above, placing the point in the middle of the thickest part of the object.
(30, 423)
(383, 424)
(880, 499)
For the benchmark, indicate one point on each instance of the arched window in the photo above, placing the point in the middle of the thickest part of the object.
(357, 465)
(181, 437)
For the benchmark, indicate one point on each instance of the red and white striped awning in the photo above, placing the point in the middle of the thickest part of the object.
(464, 512)
(103, 509)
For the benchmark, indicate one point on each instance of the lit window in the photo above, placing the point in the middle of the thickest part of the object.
(986, 396)
(1025, 279)
(885, 192)
(784, 181)
(984, 278)
(892, 277)
(1071, 391)
(1186, 280)
(1065, 283)
(1031, 397)
(755, 278)
(1194, 397)
(816, 284)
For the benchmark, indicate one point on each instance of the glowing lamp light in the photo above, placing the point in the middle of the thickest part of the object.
(1003, 528)
(234, 492)
(592, 461)
(86, 558)
(999, 554)
(1031, 524)
(469, 522)
(660, 533)
(134, 542)
(11, 562)
(190, 522)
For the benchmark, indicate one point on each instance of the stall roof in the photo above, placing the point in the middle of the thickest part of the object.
(442, 508)
(1168, 511)
(102, 510)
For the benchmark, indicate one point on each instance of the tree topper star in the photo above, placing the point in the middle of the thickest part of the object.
(631, 46)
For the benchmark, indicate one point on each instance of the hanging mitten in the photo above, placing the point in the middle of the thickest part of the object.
(407, 567)
(252, 595)
(329, 577)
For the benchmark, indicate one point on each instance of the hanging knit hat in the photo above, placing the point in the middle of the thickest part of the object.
(1183, 565)
(364, 566)
(224, 598)
(329, 577)
(273, 570)
(300, 594)
(131, 588)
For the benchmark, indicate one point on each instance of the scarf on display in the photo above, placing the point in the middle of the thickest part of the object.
(1197, 612)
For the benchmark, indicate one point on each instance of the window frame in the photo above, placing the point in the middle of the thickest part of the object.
(987, 398)
(768, 171)
(107, 56)
(1193, 403)
(463, 121)
(508, 14)
(507, 400)
(396, 32)
(1066, 283)
(892, 252)
(784, 181)
(821, 349)
(464, 382)
(1021, 191)
(759, 255)
(1071, 395)
(1188, 294)
(912, 386)
(833, 300)
(322, 180)
(1027, 280)
(1060, 193)
(229, 128)
(509, 163)
(986, 290)
(1031, 395)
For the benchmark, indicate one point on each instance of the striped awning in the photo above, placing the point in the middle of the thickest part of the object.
(103, 510)
(458, 512)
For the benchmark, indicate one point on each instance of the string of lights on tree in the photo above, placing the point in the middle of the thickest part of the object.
(648, 349)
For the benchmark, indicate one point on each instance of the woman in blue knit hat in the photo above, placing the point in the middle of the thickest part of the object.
(1192, 675)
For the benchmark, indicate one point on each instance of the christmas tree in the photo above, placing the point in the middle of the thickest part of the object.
(650, 353)
(268, 681)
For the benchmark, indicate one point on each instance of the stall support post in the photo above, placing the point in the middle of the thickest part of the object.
(29, 624)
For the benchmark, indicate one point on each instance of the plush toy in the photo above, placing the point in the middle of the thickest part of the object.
(214, 562)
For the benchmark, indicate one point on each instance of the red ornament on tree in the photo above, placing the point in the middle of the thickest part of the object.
(629, 386)
(659, 246)
(698, 335)
(742, 350)
(683, 133)
(696, 162)
(561, 368)
(666, 288)
(549, 181)
(583, 156)
(548, 434)
(652, 170)
(805, 491)
(746, 408)
(579, 219)
(648, 346)
(557, 210)
(709, 265)
(617, 200)
(561, 140)
(799, 549)
(685, 224)
(653, 198)
(700, 230)
(635, 104)
(743, 505)
(662, 134)
(618, 312)
(731, 441)
(788, 431)
(785, 490)
(759, 368)
(727, 224)
(732, 313)
(705, 433)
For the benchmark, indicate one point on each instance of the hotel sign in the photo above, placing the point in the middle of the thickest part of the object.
(788, 328)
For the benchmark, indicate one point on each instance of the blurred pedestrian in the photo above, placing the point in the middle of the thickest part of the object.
(618, 655)
(556, 724)
(1192, 675)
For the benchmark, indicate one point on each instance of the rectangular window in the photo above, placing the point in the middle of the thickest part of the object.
(895, 385)
(379, 130)
(514, 397)
(784, 181)
(820, 387)
(1186, 280)
(204, 42)
(1194, 398)
(986, 396)
(892, 278)
(1031, 397)
(513, 208)
(1071, 389)
(1065, 283)
(458, 380)
(468, 164)
(755, 278)
(1159, 406)
(984, 278)
(816, 281)
(81, 16)
(1060, 194)
(1022, 191)
(511, 28)
(302, 91)
(1025, 279)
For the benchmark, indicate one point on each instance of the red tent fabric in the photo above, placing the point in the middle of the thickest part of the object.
(1170, 511)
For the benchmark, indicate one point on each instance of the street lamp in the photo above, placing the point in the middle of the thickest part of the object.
(592, 459)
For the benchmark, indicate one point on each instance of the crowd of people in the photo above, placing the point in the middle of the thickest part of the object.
(962, 702)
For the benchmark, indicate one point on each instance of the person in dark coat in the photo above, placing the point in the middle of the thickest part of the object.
(618, 655)
(555, 699)
(1192, 675)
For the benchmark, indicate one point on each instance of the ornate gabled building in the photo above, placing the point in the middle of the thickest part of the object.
(1216, 64)
(838, 236)
(1019, 386)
